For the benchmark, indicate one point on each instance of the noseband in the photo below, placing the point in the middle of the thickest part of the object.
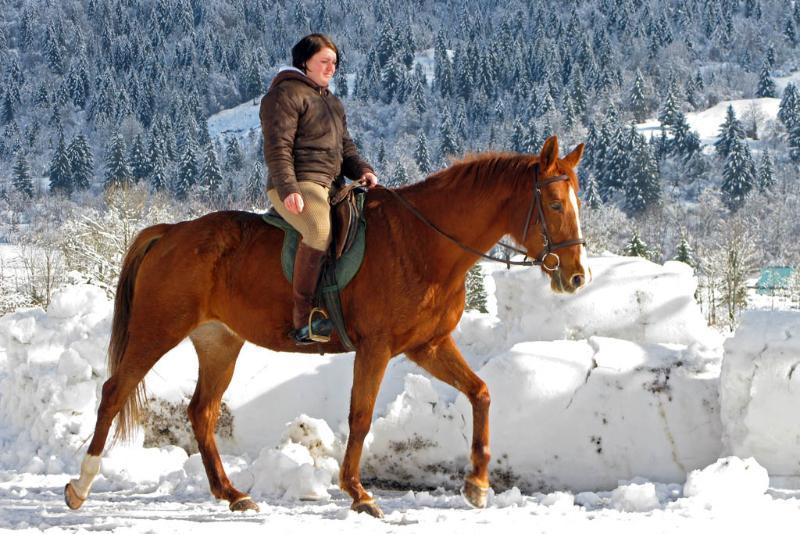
(536, 203)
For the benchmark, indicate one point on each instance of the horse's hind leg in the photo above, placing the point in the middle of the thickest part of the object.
(443, 360)
(217, 349)
(141, 354)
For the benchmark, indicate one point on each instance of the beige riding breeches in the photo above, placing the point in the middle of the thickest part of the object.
(314, 222)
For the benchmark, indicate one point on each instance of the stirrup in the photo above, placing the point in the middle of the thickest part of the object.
(318, 329)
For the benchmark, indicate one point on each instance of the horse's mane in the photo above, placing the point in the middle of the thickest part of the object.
(480, 171)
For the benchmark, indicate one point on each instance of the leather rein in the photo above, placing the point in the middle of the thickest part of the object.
(536, 204)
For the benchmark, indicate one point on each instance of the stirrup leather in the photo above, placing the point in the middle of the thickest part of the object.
(313, 336)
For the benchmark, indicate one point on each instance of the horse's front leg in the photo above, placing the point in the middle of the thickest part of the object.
(368, 369)
(443, 360)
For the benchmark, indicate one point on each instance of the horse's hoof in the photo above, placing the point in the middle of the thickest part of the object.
(243, 504)
(368, 507)
(71, 498)
(475, 495)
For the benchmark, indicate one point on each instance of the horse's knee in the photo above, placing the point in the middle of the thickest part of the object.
(480, 398)
(200, 415)
(359, 425)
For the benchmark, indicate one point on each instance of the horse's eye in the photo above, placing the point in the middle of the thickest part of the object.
(555, 206)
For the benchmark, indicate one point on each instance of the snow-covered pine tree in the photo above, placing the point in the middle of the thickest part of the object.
(381, 156)
(794, 143)
(518, 135)
(23, 183)
(789, 108)
(685, 253)
(254, 191)
(669, 109)
(234, 158)
(399, 177)
(418, 103)
(476, 291)
(421, 154)
(210, 175)
(187, 170)
(685, 142)
(251, 84)
(448, 141)
(643, 184)
(766, 173)
(158, 178)
(117, 171)
(81, 162)
(7, 109)
(442, 68)
(591, 195)
(738, 175)
(637, 247)
(766, 86)
(636, 99)
(615, 166)
(138, 161)
(60, 172)
(790, 32)
(393, 80)
(730, 132)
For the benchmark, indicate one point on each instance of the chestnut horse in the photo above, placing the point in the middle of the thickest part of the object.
(218, 280)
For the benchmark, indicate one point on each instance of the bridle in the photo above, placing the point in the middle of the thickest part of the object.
(536, 204)
(549, 246)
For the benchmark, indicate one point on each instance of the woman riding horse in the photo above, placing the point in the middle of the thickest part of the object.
(306, 147)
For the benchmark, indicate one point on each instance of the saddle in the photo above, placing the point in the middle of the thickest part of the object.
(345, 254)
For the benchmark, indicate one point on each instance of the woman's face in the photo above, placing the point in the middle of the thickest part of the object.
(321, 66)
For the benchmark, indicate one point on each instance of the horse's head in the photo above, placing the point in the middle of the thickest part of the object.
(552, 233)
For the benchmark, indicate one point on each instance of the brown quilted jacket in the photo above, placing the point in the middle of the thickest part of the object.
(305, 135)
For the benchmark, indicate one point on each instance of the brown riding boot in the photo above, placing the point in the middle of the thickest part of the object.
(307, 267)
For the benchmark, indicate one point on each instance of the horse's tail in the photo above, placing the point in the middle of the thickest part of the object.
(131, 412)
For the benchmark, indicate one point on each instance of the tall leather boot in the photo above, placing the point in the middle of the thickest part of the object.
(307, 267)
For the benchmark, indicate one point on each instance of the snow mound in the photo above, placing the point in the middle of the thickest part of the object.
(421, 439)
(729, 481)
(760, 379)
(302, 466)
(635, 497)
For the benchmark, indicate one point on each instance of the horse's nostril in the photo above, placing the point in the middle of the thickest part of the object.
(577, 281)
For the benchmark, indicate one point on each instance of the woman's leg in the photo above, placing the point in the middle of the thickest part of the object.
(314, 225)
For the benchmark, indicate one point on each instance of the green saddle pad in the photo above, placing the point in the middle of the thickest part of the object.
(346, 267)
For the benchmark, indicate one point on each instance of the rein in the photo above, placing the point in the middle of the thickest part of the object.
(536, 202)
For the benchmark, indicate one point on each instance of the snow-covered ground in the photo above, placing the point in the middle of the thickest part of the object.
(602, 404)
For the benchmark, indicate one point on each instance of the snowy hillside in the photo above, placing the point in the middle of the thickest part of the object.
(618, 383)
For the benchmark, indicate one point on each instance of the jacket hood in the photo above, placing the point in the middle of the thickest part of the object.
(292, 73)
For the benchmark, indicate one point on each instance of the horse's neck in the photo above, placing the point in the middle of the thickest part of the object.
(476, 217)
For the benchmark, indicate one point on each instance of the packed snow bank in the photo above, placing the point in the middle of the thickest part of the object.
(629, 298)
(760, 390)
(572, 415)
(50, 383)
(615, 382)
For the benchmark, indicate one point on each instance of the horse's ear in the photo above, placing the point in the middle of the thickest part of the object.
(574, 157)
(549, 154)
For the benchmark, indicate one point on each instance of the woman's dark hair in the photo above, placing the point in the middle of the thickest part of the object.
(310, 45)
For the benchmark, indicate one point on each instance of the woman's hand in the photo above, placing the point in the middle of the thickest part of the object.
(369, 179)
(294, 203)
